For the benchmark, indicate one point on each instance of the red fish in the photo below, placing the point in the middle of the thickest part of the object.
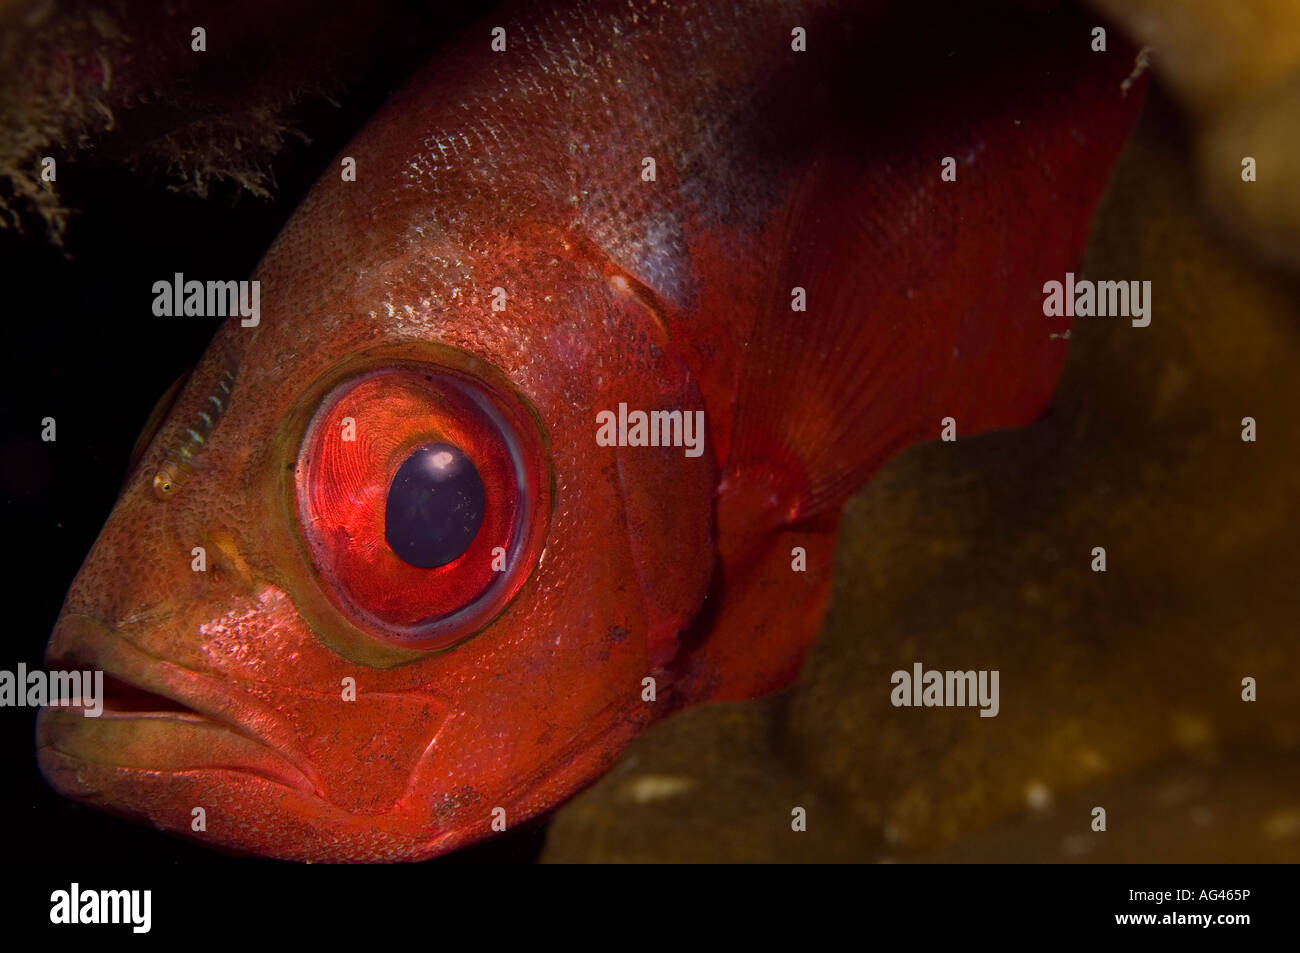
(436, 599)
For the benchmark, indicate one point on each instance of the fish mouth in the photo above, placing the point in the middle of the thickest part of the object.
(157, 717)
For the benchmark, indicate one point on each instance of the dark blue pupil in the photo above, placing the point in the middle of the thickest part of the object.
(435, 506)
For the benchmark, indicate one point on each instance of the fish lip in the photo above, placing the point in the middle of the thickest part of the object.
(86, 642)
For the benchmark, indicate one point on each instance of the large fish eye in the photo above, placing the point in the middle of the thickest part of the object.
(420, 496)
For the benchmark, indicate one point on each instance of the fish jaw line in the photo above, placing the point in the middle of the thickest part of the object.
(188, 702)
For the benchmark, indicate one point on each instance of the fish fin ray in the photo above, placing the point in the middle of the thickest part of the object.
(924, 297)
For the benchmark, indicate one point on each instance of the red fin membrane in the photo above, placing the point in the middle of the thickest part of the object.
(924, 300)
(924, 297)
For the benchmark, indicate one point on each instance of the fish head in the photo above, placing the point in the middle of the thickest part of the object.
(397, 597)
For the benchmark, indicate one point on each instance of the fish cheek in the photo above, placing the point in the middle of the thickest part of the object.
(668, 505)
(665, 475)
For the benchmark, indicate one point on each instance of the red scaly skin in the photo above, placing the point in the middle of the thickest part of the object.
(521, 170)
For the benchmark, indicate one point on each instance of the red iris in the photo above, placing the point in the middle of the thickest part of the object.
(350, 474)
